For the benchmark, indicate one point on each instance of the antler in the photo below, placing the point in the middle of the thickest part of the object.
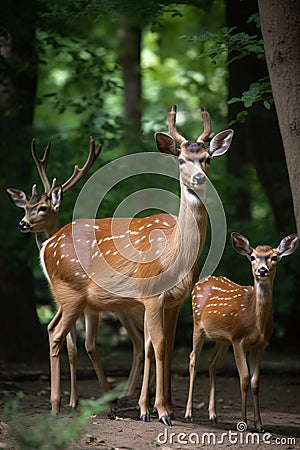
(34, 191)
(41, 165)
(79, 173)
(207, 131)
(172, 126)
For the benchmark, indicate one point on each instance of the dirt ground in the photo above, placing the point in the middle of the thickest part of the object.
(280, 395)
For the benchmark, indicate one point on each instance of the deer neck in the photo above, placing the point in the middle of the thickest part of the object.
(42, 236)
(191, 225)
(263, 292)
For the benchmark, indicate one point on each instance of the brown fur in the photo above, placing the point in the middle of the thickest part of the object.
(106, 264)
(241, 316)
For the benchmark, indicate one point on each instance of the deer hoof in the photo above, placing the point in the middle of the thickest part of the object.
(214, 421)
(188, 419)
(145, 417)
(166, 420)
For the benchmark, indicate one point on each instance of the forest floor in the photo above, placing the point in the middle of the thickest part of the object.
(280, 407)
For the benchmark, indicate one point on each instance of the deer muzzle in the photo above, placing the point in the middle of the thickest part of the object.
(199, 178)
(24, 226)
(263, 272)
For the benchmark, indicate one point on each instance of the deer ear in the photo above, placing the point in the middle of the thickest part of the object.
(56, 196)
(166, 144)
(241, 244)
(220, 143)
(287, 245)
(18, 197)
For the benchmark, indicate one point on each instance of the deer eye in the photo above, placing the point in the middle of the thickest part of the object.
(252, 258)
(181, 161)
(42, 209)
(274, 258)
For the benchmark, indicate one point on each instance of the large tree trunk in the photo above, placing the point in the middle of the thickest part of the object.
(257, 141)
(21, 335)
(280, 24)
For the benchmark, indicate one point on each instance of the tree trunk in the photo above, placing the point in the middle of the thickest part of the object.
(129, 59)
(21, 335)
(258, 140)
(280, 24)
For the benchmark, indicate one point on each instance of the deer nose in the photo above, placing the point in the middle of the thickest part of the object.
(199, 178)
(23, 225)
(263, 271)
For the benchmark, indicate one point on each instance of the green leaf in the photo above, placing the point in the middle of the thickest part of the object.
(241, 116)
(234, 100)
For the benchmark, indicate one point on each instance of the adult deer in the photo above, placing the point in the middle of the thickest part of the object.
(108, 264)
(42, 219)
(41, 210)
(241, 316)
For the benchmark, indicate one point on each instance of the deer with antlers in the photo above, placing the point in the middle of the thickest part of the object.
(41, 210)
(108, 264)
(241, 316)
(41, 218)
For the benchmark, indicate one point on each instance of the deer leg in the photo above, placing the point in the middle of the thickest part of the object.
(137, 340)
(154, 320)
(144, 395)
(72, 355)
(58, 329)
(241, 363)
(55, 397)
(170, 322)
(198, 340)
(156, 332)
(56, 338)
(91, 328)
(255, 362)
(217, 353)
(55, 320)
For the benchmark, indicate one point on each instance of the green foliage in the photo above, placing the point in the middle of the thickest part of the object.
(228, 43)
(80, 77)
(146, 10)
(10, 404)
(259, 91)
(255, 19)
(228, 46)
(47, 432)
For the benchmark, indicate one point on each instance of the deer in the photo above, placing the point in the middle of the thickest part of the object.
(41, 210)
(241, 316)
(118, 263)
(42, 219)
